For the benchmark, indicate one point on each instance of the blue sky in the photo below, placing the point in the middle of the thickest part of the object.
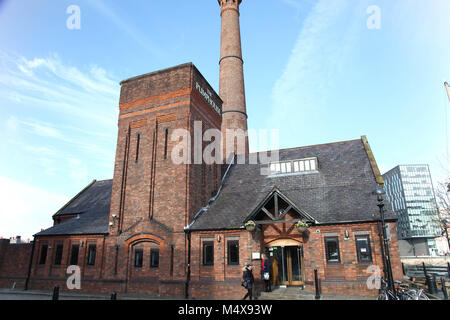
(313, 70)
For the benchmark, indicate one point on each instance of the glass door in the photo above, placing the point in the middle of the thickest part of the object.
(295, 265)
(287, 265)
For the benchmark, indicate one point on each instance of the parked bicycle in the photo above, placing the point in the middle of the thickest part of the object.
(401, 292)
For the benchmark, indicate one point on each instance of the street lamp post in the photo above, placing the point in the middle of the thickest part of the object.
(445, 222)
(379, 192)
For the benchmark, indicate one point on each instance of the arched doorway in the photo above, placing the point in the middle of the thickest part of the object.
(286, 257)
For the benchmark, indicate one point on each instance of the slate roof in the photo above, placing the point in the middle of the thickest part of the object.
(341, 190)
(92, 207)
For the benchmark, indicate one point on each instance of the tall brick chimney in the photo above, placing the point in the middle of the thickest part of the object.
(232, 90)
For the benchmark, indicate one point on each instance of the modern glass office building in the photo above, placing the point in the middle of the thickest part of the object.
(409, 190)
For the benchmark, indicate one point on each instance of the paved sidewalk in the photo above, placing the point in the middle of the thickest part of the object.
(9, 294)
(293, 293)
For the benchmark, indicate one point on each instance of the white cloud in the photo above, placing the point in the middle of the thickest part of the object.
(40, 150)
(58, 100)
(318, 54)
(44, 130)
(48, 84)
(26, 209)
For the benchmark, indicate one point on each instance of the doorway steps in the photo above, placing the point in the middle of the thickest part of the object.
(289, 293)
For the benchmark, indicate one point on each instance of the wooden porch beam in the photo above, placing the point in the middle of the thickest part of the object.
(276, 221)
(268, 213)
(275, 199)
(285, 212)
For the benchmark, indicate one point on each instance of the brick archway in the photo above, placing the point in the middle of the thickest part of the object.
(283, 242)
(130, 242)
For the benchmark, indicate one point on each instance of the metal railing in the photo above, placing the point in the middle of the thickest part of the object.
(415, 271)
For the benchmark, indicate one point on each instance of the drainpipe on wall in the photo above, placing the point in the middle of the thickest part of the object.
(382, 247)
(29, 266)
(188, 276)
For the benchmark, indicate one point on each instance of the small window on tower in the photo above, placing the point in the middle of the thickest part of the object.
(172, 254)
(166, 141)
(138, 258)
(138, 142)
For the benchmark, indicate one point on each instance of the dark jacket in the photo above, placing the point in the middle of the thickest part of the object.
(265, 266)
(248, 277)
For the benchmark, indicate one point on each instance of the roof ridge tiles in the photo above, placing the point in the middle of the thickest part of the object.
(309, 147)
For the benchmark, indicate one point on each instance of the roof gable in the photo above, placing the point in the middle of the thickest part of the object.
(276, 206)
(91, 207)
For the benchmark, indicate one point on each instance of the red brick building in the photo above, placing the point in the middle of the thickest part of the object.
(178, 229)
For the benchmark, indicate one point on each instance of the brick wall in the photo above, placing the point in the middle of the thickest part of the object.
(14, 264)
(3, 245)
(45, 273)
(220, 281)
(348, 277)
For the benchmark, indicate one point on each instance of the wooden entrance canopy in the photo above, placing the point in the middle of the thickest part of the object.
(279, 213)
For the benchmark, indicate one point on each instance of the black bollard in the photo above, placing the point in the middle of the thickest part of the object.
(424, 269)
(55, 293)
(114, 295)
(431, 283)
(444, 289)
(316, 280)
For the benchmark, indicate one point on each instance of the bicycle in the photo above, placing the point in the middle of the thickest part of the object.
(402, 292)
(407, 293)
(385, 293)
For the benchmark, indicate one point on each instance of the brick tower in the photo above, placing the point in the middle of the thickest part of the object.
(153, 196)
(232, 90)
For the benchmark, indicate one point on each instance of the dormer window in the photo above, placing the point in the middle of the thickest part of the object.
(294, 166)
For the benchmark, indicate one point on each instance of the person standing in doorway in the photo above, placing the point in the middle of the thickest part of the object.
(265, 273)
(248, 280)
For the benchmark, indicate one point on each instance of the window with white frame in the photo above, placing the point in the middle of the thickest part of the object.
(294, 166)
